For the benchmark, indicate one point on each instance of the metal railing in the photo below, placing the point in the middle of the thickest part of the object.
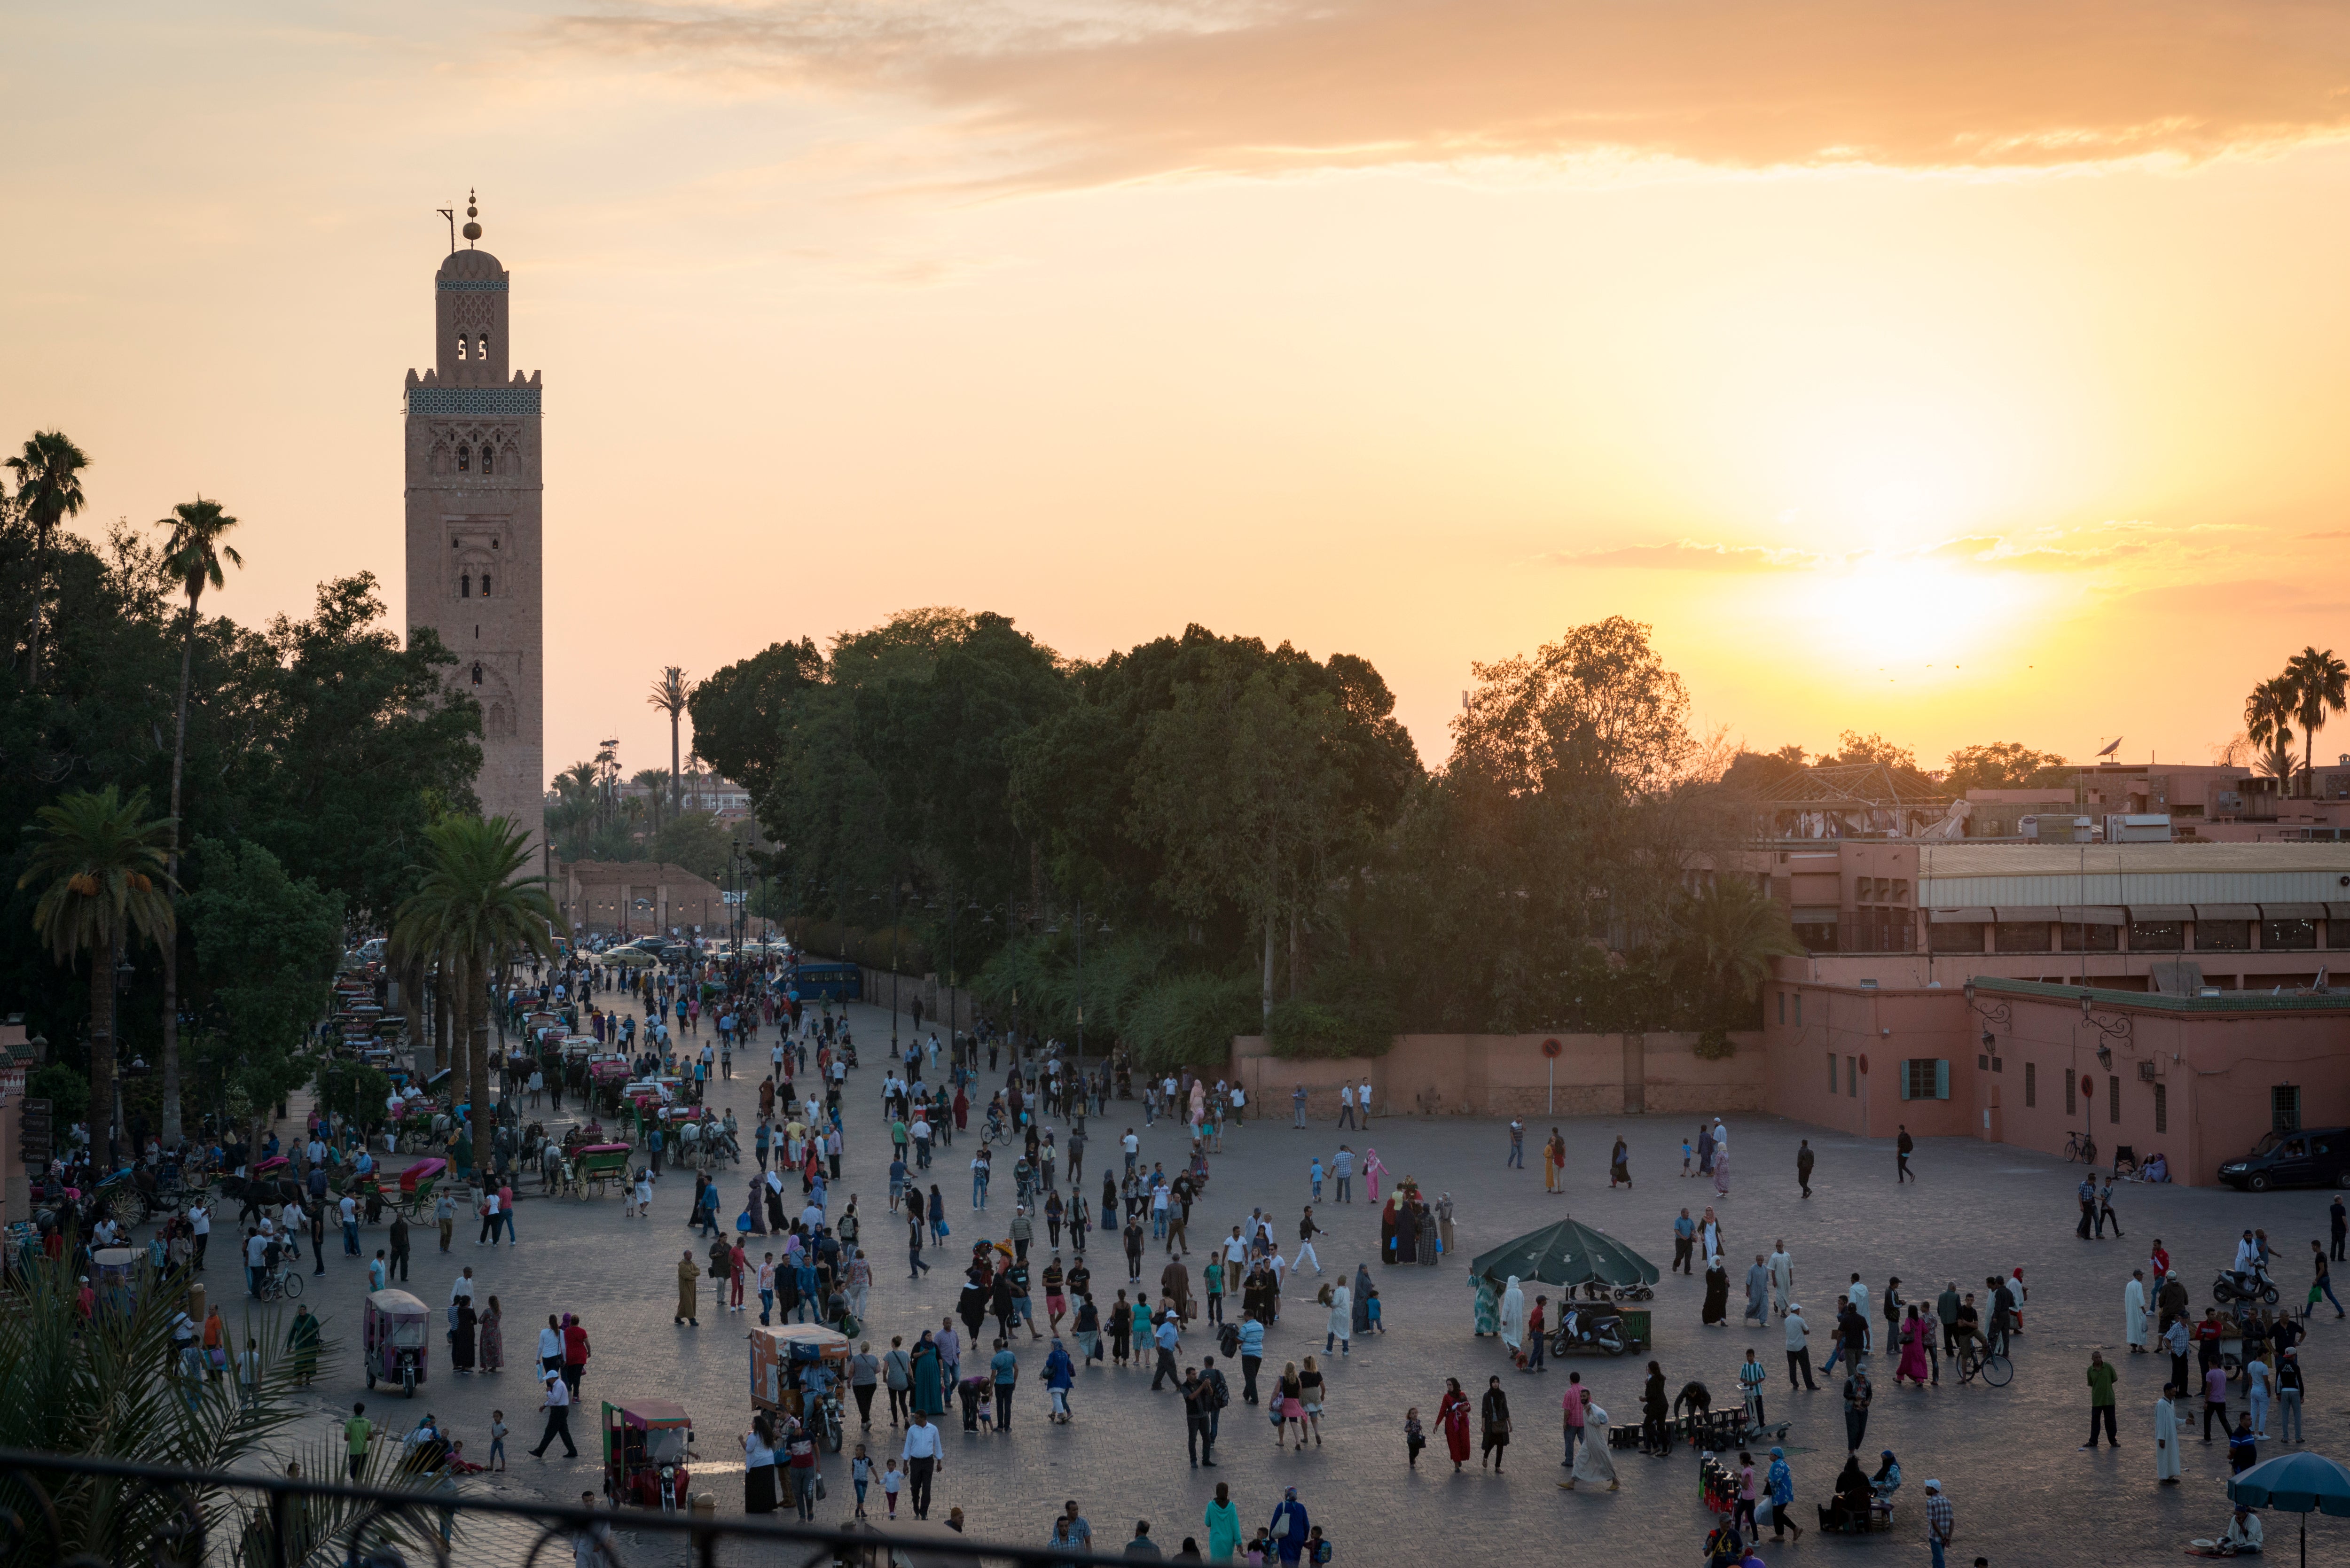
(386, 1527)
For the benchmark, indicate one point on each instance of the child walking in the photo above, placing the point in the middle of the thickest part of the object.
(1415, 1438)
(497, 1439)
(860, 1476)
(891, 1481)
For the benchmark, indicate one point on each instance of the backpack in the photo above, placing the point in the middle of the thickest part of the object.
(1229, 1342)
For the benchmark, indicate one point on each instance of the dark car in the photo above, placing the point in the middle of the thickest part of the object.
(2313, 1157)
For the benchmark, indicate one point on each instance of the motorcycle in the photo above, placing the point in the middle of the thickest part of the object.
(2232, 1286)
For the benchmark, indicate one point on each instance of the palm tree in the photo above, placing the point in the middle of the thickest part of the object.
(48, 489)
(477, 911)
(193, 555)
(103, 858)
(670, 695)
(1724, 939)
(2322, 685)
(2268, 713)
(650, 780)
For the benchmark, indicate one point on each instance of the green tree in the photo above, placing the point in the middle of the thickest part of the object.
(48, 490)
(1240, 791)
(1852, 746)
(1596, 708)
(670, 695)
(2003, 765)
(740, 713)
(99, 859)
(2322, 687)
(266, 946)
(1723, 939)
(698, 841)
(193, 554)
(476, 911)
(113, 1386)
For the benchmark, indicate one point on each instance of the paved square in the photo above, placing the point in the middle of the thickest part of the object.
(2008, 1457)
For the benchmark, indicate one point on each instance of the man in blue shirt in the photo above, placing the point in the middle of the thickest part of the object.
(1251, 1356)
(1006, 1370)
(1684, 1242)
(1169, 1337)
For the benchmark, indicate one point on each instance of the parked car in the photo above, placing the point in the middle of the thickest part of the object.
(2312, 1156)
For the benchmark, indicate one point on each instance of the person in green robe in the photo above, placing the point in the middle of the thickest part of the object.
(302, 1339)
(1489, 1308)
(930, 1394)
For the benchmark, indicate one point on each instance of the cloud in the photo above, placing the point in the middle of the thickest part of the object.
(1990, 551)
(2329, 534)
(1687, 555)
(1123, 90)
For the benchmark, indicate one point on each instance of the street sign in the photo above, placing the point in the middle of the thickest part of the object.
(36, 1132)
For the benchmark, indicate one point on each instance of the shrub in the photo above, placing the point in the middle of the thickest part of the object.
(1362, 1025)
(1714, 1045)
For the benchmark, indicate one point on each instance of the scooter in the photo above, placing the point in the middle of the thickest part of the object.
(2231, 1285)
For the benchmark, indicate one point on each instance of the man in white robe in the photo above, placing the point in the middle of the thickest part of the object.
(2134, 1312)
(1514, 1317)
(2165, 1440)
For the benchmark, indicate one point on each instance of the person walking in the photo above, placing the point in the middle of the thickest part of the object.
(1940, 1523)
(1903, 1146)
(557, 1406)
(1778, 1485)
(1858, 1393)
(2289, 1383)
(2101, 1400)
(1758, 1294)
(1452, 1417)
(923, 1457)
(689, 1282)
(1799, 1349)
(1496, 1426)
(1804, 1160)
(2322, 1284)
(2134, 1317)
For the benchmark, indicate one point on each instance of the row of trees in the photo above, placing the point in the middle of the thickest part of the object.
(1240, 837)
(298, 764)
(2314, 686)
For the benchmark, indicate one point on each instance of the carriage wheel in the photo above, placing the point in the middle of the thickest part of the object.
(127, 1207)
(596, 1187)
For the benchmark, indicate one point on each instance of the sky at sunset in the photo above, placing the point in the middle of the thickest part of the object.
(1959, 372)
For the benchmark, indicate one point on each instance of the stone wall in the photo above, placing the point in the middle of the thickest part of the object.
(1657, 1074)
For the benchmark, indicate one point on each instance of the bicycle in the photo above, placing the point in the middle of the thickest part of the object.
(1976, 1358)
(2077, 1147)
(285, 1284)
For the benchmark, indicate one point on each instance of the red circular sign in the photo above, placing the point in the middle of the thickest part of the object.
(2088, 1084)
(1864, 1064)
(1550, 1047)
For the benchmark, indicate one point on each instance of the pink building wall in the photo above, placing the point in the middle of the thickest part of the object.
(1507, 1074)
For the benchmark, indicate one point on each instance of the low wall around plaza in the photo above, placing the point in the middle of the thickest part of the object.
(1654, 1074)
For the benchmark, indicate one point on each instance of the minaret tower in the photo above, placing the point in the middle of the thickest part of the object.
(476, 544)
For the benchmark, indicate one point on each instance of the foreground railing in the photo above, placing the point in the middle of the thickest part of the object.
(384, 1527)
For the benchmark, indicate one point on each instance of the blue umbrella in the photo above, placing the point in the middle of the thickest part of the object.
(2302, 1483)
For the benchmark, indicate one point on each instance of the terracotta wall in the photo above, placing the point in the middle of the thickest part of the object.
(1507, 1074)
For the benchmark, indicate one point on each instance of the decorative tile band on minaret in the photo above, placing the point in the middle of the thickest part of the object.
(475, 536)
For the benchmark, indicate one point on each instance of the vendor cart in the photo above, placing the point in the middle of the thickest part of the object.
(648, 1444)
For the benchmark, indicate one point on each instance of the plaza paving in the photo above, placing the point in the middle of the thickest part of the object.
(2008, 1457)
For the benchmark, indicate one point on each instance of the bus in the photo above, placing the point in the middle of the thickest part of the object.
(823, 980)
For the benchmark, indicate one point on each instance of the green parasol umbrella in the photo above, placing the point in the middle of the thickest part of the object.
(1567, 1253)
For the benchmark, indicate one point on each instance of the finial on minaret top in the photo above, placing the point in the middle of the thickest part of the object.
(472, 229)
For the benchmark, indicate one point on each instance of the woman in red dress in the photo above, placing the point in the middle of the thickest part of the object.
(1452, 1415)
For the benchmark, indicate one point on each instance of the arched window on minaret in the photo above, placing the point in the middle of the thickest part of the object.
(465, 586)
(485, 585)
(465, 458)
(484, 347)
(463, 343)
(487, 457)
(477, 674)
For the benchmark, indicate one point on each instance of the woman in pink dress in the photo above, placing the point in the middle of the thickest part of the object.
(1371, 1169)
(1914, 1365)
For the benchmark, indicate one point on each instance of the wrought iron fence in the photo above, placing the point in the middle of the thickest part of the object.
(386, 1527)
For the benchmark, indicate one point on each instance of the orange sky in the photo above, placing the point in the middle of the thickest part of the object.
(1962, 377)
